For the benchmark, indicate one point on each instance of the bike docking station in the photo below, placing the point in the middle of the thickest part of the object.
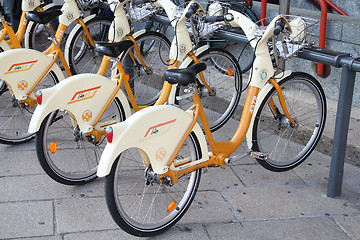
(350, 66)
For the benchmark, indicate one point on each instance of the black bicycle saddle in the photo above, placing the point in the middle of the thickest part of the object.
(184, 76)
(113, 49)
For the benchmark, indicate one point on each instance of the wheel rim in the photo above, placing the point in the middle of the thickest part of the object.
(84, 58)
(144, 207)
(15, 117)
(227, 88)
(76, 158)
(147, 85)
(284, 144)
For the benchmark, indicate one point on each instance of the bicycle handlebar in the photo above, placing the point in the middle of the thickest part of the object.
(138, 2)
(212, 19)
(192, 9)
(279, 27)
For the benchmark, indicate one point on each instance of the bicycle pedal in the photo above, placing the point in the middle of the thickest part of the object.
(259, 155)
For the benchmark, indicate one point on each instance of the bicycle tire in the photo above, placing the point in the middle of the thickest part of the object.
(75, 160)
(220, 106)
(247, 56)
(82, 56)
(15, 119)
(129, 173)
(284, 146)
(38, 38)
(154, 49)
(35, 36)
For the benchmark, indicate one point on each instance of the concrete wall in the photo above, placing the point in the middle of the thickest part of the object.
(343, 34)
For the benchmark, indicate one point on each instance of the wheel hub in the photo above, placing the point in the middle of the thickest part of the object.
(286, 123)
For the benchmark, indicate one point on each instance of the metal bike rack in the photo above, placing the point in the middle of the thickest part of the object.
(349, 67)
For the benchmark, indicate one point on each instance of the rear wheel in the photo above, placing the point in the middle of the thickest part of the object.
(15, 115)
(283, 145)
(65, 153)
(139, 204)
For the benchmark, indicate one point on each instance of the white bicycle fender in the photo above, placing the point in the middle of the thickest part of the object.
(83, 95)
(21, 68)
(154, 130)
(262, 94)
(71, 35)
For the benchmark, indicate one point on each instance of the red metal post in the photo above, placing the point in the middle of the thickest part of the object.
(263, 12)
(334, 6)
(322, 36)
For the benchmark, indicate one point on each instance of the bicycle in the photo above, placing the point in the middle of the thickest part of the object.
(14, 39)
(153, 160)
(59, 113)
(25, 71)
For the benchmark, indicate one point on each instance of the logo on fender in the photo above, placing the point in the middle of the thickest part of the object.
(22, 85)
(86, 115)
(156, 129)
(160, 154)
(19, 67)
(84, 94)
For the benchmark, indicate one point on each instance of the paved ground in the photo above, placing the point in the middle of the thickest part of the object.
(243, 201)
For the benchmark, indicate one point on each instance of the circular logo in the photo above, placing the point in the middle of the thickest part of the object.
(31, 3)
(87, 115)
(160, 154)
(119, 32)
(263, 74)
(182, 49)
(22, 85)
(69, 15)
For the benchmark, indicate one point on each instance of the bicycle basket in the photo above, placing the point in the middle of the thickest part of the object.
(207, 29)
(300, 36)
(142, 13)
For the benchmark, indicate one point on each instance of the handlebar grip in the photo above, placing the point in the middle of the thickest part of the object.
(191, 11)
(213, 19)
(279, 26)
(137, 2)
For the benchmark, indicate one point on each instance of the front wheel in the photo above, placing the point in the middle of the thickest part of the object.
(139, 204)
(285, 146)
(81, 54)
(223, 76)
(65, 153)
(146, 80)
